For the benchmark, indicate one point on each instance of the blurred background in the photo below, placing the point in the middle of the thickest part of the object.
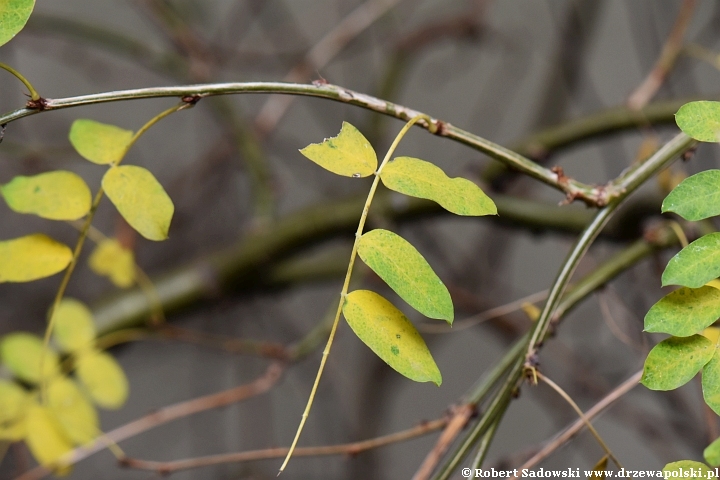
(264, 235)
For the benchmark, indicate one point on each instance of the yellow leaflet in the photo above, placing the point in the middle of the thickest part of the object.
(13, 403)
(714, 283)
(349, 154)
(389, 334)
(103, 378)
(72, 409)
(45, 437)
(712, 334)
(531, 310)
(58, 195)
(140, 199)
(20, 353)
(32, 257)
(99, 142)
(110, 259)
(74, 326)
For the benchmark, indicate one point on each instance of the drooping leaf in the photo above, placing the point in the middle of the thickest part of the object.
(389, 334)
(696, 264)
(113, 260)
(103, 378)
(58, 195)
(13, 404)
(74, 326)
(421, 179)
(32, 257)
(711, 382)
(14, 15)
(140, 199)
(397, 262)
(712, 453)
(700, 120)
(697, 197)
(676, 360)
(78, 417)
(684, 467)
(684, 312)
(99, 142)
(46, 438)
(349, 154)
(21, 353)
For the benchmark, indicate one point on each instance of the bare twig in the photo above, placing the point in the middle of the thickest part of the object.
(669, 54)
(354, 448)
(578, 425)
(167, 414)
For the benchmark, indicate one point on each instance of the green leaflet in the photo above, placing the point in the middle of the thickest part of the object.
(389, 334)
(74, 326)
(20, 353)
(349, 154)
(684, 467)
(99, 142)
(397, 262)
(14, 15)
(696, 264)
(711, 382)
(700, 120)
(103, 378)
(676, 360)
(695, 198)
(684, 312)
(712, 453)
(32, 257)
(140, 199)
(58, 195)
(418, 178)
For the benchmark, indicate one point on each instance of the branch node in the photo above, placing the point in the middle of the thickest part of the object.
(40, 104)
(191, 99)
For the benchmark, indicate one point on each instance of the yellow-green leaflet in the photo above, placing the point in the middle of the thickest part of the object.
(46, 438)
(418, 178)
(74, 326)
(103, 378)
(13, 403)
(71, 407)
(712, 453)
(397, 262)
(140, 199)
(675, 361)
(99, 142)
(711, 382)
(349, 154)
(114, 261)
(20, 353)
(31, 257)
(14, 15)
(58, 195)
(389, 334)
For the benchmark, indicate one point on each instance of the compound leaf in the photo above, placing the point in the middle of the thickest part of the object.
(74, 326)
(32, 257)
(349, 154)
(116, 262)
(684, 312)
(46, 438)
(700, 120)
(103, 378)
(711, 382)
(58, 195)
(695, 198)
(696, 264)
(14, 15)
(78, 417)
(397, 262)
(140, 199)
(21, 352)
(421, 179)
(389, 334)
(712, 453)
(676, 360)
(99, 142)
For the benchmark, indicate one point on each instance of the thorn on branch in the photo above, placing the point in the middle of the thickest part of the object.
(320, 81)
(191, 99)
(689, 153)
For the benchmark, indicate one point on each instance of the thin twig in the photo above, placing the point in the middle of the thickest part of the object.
(578, 425)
